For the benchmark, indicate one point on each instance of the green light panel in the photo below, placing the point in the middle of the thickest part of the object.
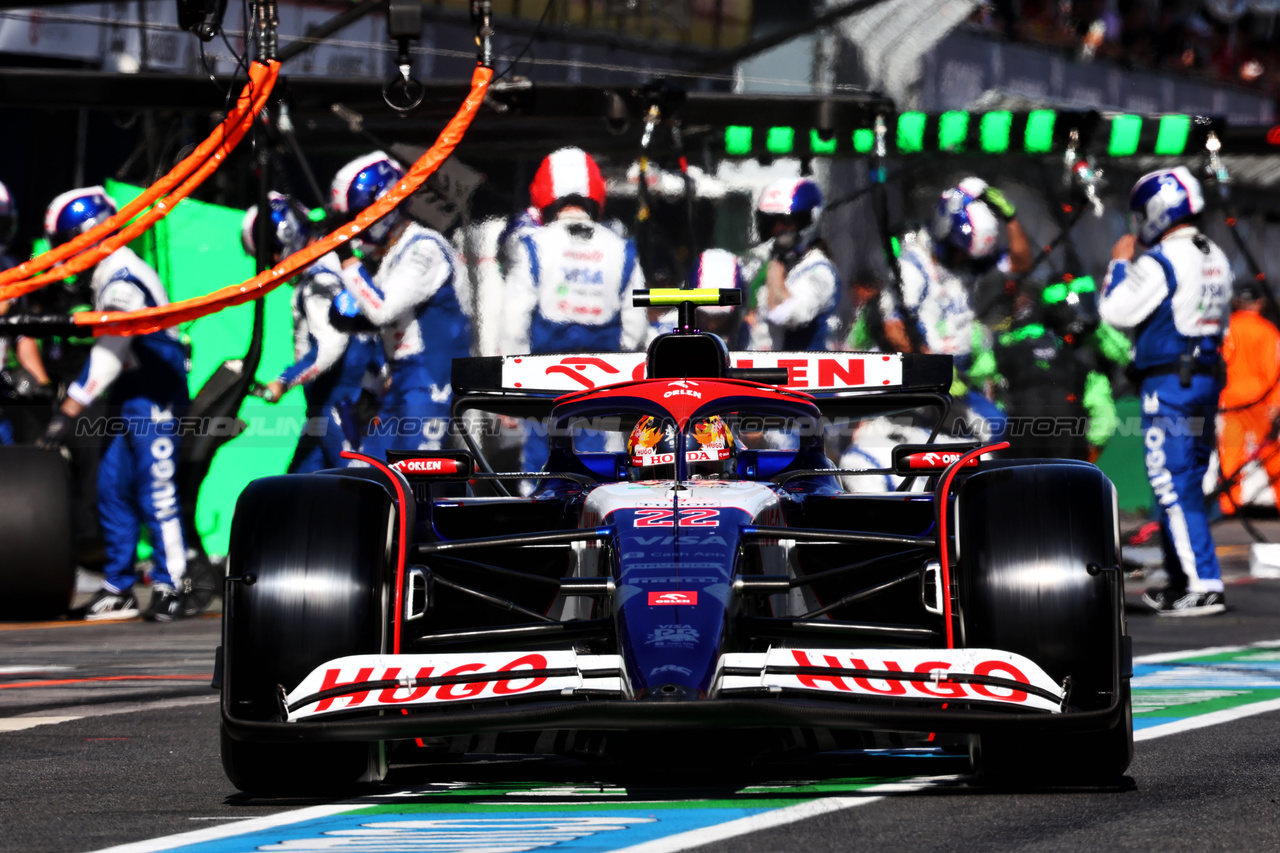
(1171, 141)
(820, 146)
(1125, 131)
(993, 131)
(737, 140)
(864, 140)
(1039, 135)
(910, 135)
(896, 245)
(952, 128)
(780, 140)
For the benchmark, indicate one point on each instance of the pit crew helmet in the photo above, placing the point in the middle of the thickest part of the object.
(8, 218)
(796, 201)
(717, 269)
(567, 176)
(75, 212)
(1163, 199)
(359, 184)
(963, 222)
(709, 449)
(289, 231)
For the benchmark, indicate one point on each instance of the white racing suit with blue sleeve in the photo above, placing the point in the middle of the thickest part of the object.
(805, 320)
(1176, 298)
(332, 366)
(569, 290)
(413, 301)
(938, 299)
(145, 382)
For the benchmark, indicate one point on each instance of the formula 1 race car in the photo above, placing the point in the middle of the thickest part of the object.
(712, 586)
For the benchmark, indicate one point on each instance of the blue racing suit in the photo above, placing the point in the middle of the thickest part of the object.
(145, 380)
(1176, 298)
(413, 299)
(569, 290)
(332, 367)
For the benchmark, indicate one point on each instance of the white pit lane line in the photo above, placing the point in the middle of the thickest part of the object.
(22, 722)
(734, 828)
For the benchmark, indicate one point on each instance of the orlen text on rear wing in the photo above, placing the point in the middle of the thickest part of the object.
(818, 373)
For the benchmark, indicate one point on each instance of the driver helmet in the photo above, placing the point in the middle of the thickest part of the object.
(289, 231)
(961, 221)
(75, 212)
(709, 449)
(568, 176)
(359, 184)
(1163, 199)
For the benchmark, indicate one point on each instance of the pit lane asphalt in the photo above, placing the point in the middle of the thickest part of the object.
(142, 760)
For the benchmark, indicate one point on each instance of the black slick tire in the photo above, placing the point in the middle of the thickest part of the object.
(310, 575)
(37, 562)
(1027, 534)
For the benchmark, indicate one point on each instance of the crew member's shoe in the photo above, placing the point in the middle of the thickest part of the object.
(166, 604)
(107, 606)
(1179, 602)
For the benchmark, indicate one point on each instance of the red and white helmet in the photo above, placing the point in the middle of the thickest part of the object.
(567, 174)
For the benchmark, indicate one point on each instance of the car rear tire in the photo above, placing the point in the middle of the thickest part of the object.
(37, 562)
(1026, 535)
(310, 563)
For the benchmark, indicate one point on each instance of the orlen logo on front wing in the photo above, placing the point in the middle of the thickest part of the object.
(673, 598)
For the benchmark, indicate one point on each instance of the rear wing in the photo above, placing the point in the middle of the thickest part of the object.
(818, 373)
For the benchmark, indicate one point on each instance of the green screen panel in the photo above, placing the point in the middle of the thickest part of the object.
(820, 146)
(953, 127)
(864, 140)
(910, 135)
(1125, 132)
(780, 140)
(196, 249)
(993, 131)
(737, 140)
(1171, 141)
(1039, 136)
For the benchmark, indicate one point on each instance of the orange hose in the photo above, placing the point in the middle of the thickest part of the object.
(162, 208)
(147, 320)
(262, 79)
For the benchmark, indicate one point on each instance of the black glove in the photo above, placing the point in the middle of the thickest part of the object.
(56, 433)
(366, 408)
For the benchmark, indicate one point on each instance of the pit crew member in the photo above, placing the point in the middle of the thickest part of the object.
(940, 269)
(413, 300)
(1250, 400)
(794, 283)
(716, 269)
(333, 367)
(570, 283)
(145, 381)
(1175, 299)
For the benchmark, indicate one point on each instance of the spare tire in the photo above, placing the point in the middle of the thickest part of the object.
(37, 560)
